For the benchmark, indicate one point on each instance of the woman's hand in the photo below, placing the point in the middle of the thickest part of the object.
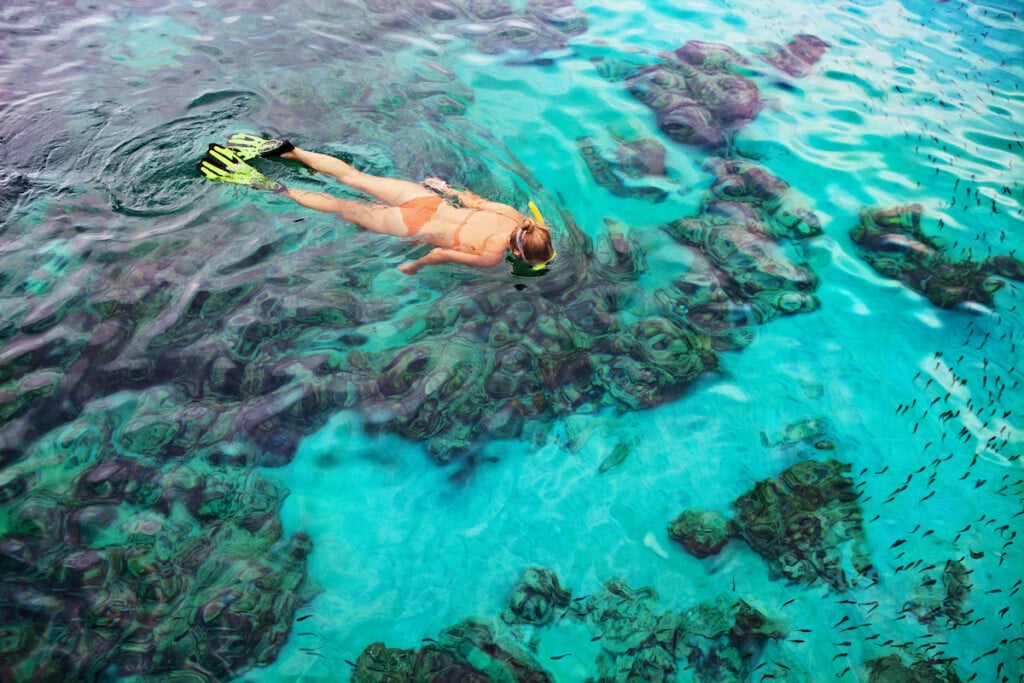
(410, 267)
(437, 185)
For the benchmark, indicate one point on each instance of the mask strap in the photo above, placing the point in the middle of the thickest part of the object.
(519, 240)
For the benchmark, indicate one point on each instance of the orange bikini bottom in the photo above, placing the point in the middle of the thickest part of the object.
(418, 210)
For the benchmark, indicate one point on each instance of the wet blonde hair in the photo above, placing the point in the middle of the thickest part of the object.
(533, 242)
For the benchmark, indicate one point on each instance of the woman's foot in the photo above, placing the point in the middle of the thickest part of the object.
(251, 146)
(224, 164)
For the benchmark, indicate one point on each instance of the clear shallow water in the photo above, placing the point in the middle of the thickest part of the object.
(108, 229)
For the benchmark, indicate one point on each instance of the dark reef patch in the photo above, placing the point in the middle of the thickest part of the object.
(117, 559)
(468, 651)
(741, 272)
(721, 639)
(892, 242)
(798, 522)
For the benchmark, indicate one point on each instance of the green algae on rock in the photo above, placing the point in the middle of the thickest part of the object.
(702, 532)
(742, 272)
(891, 241)
(536, 598)
(142, 566)
(932, 600)
(721, 639)
(798, 522)
(468, 651)
(892, 669)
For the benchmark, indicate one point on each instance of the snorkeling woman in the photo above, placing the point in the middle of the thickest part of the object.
(463, 227)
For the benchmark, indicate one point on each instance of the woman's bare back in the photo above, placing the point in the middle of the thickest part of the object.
(470, 230)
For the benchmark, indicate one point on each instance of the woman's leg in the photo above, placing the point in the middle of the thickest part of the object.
(385, 220)
(391, 191)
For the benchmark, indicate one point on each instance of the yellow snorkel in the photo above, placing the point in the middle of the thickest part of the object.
(536, 213)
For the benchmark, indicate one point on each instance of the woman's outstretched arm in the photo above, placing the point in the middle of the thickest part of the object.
(440, 255)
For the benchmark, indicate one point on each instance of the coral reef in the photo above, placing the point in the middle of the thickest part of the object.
(620, 257)
(892, 242)
(264, 357)
(147, 372)
(717, 640)
(640, 156)
(535, 598)
(631, 160)
(696, 94)
(798, 522)
(468, 651)
(261, 357)
(811, 430)
(547, 359)
(115, 561)
(891, 669)
(741, 273)
(932, 600)
(702, 532)
(798, 56)
(739, 180)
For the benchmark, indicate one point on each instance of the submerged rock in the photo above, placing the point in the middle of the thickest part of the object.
(945, 599)
(744, 274)
(697, 97)
(716, 640)
(146, 568)
(892, 242)
(468, 651)
(799, 522)
(811, 430)
(798, 56)
(891, 669)
(536, 598)
(702, 532)
(608, 173)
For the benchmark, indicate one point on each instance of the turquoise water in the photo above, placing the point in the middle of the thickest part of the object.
(205, 475)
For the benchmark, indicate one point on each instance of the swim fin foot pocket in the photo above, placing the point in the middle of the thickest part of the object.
(250, 146)
(224, 164)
